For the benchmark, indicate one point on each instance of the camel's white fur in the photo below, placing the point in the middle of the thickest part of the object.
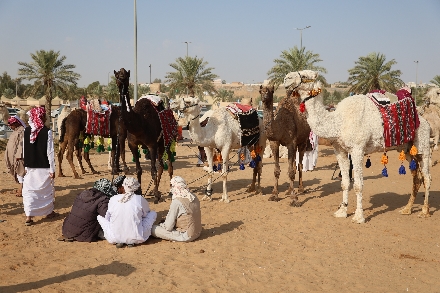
(222, 132)
(64, 113)
(4, 114)
(431, 112)
(355, 127)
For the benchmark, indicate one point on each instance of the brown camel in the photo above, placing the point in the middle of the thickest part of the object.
(144, 128)
(289, 128)
(74, 124)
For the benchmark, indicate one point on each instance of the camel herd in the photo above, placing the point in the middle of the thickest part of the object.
(355, 128)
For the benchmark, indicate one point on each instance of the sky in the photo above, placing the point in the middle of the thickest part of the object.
(238, 39)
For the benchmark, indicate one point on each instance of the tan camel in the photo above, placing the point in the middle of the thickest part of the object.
(431, 112)
(289, 128)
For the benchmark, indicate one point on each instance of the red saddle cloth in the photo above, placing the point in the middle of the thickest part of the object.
(400, 121)
(169, 126)
(98, 123)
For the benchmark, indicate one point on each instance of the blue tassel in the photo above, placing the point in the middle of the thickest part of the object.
(252, 164)
(385, 172)
(402, 170)
(219, 167)
(242, 166)
(368, 163)
(257, 158)
(214, 168)
(413, 165)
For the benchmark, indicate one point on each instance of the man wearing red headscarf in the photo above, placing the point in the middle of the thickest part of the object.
(38, 155)
(14, 150)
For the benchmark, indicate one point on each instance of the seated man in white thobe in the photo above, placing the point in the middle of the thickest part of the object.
(38, 155)
(128, 219)
(184, 220)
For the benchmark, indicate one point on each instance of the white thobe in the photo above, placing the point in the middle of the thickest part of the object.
(38, 188)
(310, 158)
(128, 222)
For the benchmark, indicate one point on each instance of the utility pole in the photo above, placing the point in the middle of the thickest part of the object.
(417, 68)
(135, 54)
(301, 30)
(150, 75)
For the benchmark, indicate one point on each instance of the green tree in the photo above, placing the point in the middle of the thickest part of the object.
(294, 60)
(436, 80)
(157, 80)
(9, 93)
(112, 91)
(224, 96)
(6, 82)
(191, 75)
(373, 72)
(47, 69)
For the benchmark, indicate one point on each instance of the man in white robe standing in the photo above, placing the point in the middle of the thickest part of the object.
(38, 155)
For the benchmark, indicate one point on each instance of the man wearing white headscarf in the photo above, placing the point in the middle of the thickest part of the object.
(38, 155)
(14, 151)
(184, 220)
(128, 219)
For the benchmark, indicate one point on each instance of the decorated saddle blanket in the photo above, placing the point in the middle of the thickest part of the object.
(98, 118)
(400, 121)
(249, 123)
(169, 126)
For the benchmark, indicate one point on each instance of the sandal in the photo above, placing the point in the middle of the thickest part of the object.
(62, 238)
(119, 245)
(29, 222)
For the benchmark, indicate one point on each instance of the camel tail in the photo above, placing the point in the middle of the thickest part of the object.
(63, 129)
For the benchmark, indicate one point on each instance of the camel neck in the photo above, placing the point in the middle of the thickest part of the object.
(321, 121)
(268, 117)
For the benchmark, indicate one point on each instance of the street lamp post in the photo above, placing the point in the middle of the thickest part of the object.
(135, 54)
(301, 30)
(417, 67)
(187, 47)
(150, 75)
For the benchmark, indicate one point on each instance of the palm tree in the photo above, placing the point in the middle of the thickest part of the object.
(294, 60)
(436, 80)
(191, 76)
(372, 72)
(224, 96)
(47, 69)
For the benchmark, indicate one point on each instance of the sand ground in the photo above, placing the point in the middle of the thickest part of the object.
(248, 245)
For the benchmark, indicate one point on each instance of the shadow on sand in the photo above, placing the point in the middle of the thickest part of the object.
(116, 268)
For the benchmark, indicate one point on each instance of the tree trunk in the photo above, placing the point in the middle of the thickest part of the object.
(48, 107)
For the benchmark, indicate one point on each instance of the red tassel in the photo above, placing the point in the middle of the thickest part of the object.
(302, 107)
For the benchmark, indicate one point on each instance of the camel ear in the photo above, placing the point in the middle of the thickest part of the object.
(128, 72)
(115, 72)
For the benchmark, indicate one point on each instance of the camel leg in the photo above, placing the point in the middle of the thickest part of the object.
(421, 174)
(300, 169)
(275, 147)
(357, 160)
(69, 157)
(209, 153)
(78, 151)
(61, 151)
(115, 156)
(292, 171)
(251, 187)
(161, 150)
(89, 163)
(122, 139)
(153, 152)
(109, 161)
(344, 165)
(436, 137)
(225, 155)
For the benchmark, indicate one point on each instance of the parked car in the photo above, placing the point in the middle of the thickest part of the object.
(260, 113)
(57, 111)
(12, 111)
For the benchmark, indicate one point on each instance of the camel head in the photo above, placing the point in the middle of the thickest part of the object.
(188, 106)
(122, 80)
(433, 96)
(304, 82)
(266, 93)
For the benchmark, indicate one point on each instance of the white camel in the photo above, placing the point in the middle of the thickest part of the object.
(355, 127)
(4, 114)
(431, 112)
(222, 132)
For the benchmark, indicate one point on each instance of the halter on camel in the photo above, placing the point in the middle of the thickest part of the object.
(313, 93)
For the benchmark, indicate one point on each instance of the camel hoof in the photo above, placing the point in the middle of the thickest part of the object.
(423, 215)
(341, 212)
(61, 175)
(358, 217)
(205, 168)
(208, 198)
(250, 189)
(77, 177)
(301, 189)
(225, 200)
(96, 172)
(84, 172)
(435, 147)
(405, 211)
(274, 198)
(295, 203)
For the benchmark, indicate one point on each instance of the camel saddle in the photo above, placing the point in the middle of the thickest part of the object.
(400, 120)
(98, 117)
(247, 116)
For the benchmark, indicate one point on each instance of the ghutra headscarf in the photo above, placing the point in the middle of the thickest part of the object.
(36, 121)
